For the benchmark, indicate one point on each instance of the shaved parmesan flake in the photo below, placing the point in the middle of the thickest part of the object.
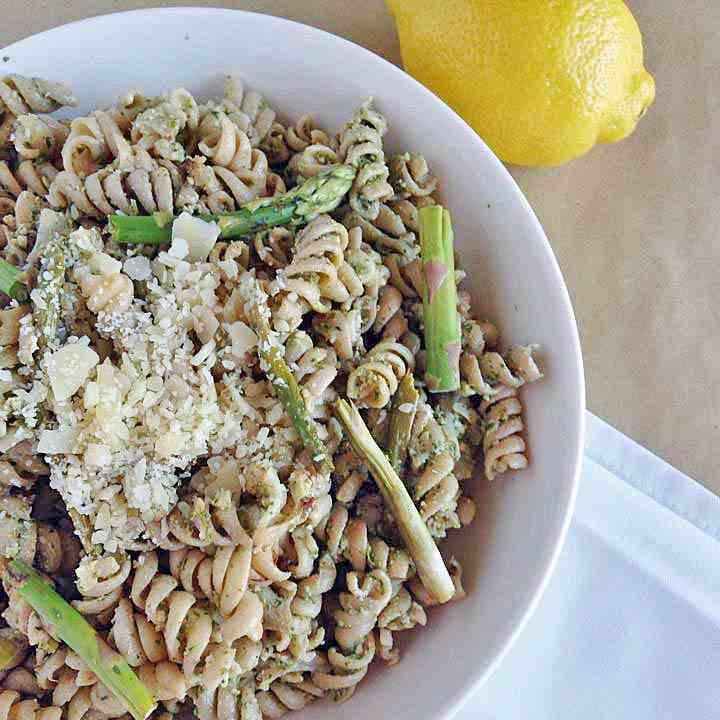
(243, 338)
(179, 248)
(69, 367)
(199, 235)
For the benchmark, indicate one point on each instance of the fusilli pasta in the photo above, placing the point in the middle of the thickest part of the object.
(410, 176)
(12, 706)
(374, 381)
(360, 145)
(186, 627)
(108, 190)
(20, 94)
(37, 137)
(100, 582)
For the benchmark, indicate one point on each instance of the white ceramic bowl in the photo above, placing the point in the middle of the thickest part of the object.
(510, 551)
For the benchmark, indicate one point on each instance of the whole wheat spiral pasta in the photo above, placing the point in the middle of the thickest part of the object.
(311, 161)
(186, 630)
(248, 110)
(157, 129)
(225, 703)
(12, 706)
(27, 175)
(100, 582)
(143, 647)
(229, 183)
(304, 133)
(94, 141)
(201, 522)
(386, 232)
(410, 176)
(366, 596)
(37, 136)
(318, 273)
(273, 247)
(361, 146)
(373, 382)
(223, 579)
(108, 190)
(275, 145)
(21, 94)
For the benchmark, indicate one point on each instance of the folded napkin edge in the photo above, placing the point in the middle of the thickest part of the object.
(652, 476)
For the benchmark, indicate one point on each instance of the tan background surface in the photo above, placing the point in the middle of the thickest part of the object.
(635, 226)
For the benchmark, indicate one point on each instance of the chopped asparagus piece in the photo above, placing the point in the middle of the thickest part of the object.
(440, 316)
(10, 282)
(71, 627)
(402, 416)
(319, 194)
(422, 548)
(288, 391)
(248, 221)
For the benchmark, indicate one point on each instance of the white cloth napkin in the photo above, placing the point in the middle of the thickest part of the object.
(629, 627)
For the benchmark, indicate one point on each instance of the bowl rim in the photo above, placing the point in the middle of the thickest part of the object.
(560, 530)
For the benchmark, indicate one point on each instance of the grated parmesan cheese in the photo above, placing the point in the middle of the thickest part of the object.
(137, 268)
(58, 442)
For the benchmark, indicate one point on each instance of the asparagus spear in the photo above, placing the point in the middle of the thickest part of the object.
(319, 194)
(419, 542)
(289, 394)
(291, 398)
(440, 316)
(401, 420)
(72, 628)
(10, 282)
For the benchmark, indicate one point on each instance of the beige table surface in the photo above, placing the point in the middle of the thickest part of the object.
(635, 225)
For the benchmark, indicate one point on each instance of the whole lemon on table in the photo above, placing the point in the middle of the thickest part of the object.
(541, 81)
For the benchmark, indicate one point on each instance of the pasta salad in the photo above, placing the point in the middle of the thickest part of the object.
(242, 398)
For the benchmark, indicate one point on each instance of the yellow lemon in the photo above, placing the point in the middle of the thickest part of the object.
(541, 81)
